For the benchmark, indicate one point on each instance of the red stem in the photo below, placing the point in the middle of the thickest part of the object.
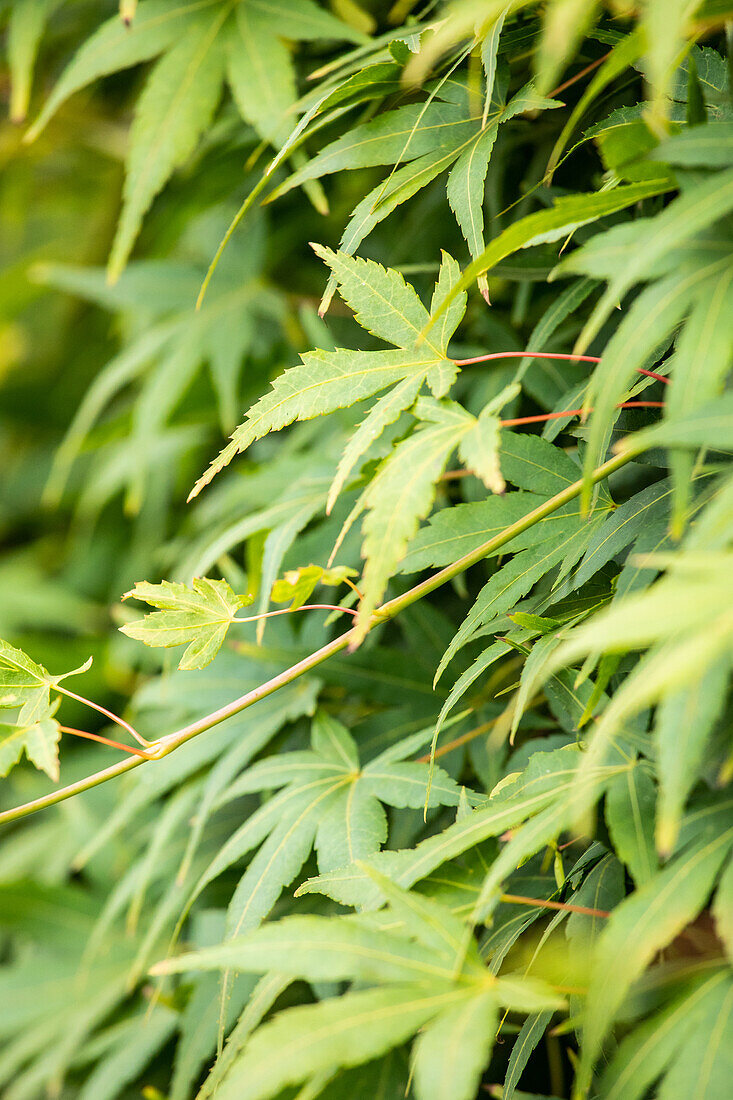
(549, 355)
(578, 76)
(103, 710)
(106, 741)
(518, 899)
(577, 412)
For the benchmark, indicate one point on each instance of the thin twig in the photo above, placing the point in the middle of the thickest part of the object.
(387, 611)
(519, 899)
(541, 417)
(106, 741)
(290, 610)
(565, 356)
(578, 76)
(107, 713)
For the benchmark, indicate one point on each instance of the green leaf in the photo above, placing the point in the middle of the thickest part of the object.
(642, 925)
(622, 526)
(479, 447)
(176, 105)
(383, 413)
(25, 29)
(549, 778)
(709, 426)
(298, 584)
(630, 806)
(452, 1051)
(694, 210)
(400, 494)
(704, 1064)
(318, 948)
(353, 827)
(39, 740)
(723, 910)
(533, 1028)
(515, 579)
(383, 303)
(260, 73)
(564, 25)
(157, 24)
(126, 1060)
(701, 363)
(706, 147)
(324, 381)
(644, 1054)
(455, 531)
(197, 616)
(333, 743)
(341, 1031)
(264, 995)
(683, 725)
(397, 137)
(568, 214)
(23, 684)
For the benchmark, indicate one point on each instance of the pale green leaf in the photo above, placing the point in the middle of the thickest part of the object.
(695, 209)
(40, 741)
(630, 807)
(568, 214)
(642, 925)
(383, 303)
(25, 29)
(176, 105)
(157, 24)
(341, 1031)
(683, 725)
(398, 497)
(644, 1054)
(452, 1052)
(383, 413)
(563, 27)
(323, 382)
(197, 616)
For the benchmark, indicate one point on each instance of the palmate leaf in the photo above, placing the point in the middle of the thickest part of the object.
(176, 105)
(39, 740)
(197, 616)
(202, 40)
(25, 688)
(398, 136)
(329, 380)
(644, 923)
(326, 800)
(25, 30)
(650, 1048)
(398, 951)
(298, 584)
(545, 784)
(402, 491)
(568, 214)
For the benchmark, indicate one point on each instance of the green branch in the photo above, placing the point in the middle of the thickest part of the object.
(166, 745)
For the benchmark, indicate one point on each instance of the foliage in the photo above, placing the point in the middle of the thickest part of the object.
(468, 827)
